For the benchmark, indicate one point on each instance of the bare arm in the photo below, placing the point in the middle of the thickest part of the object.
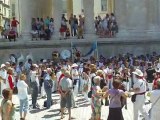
(8, 111)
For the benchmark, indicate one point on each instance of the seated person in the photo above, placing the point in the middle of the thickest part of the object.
(67, 33)
(47, 33)
(34, 34)
(42, 33)
(12, 35)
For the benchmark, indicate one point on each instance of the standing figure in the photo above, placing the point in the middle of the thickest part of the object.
(139, 88)
(14, 24)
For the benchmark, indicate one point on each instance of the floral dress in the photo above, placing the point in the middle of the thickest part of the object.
(96, 101)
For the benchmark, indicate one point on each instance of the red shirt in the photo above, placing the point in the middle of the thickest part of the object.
(14, 23)
(60, 78)
(10, 82)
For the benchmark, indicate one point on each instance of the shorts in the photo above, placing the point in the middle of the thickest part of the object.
(66, 101)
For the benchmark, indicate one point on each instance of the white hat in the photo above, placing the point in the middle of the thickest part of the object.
(138, 72)
(74, 65)
(35, 65)
(3, 65)
(7, 63)
(157, 70)
(44, 61)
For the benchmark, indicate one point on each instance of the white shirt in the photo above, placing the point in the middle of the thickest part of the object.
(58, 74)
(22, 90)
(34, 77)
(141, 84)
(3, 74)
(75, 74)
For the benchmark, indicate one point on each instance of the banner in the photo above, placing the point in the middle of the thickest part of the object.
(92, 49)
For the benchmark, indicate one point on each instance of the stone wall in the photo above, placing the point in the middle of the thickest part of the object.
(106, 48)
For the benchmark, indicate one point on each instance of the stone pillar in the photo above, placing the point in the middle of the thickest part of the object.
(17, 12)
(26, 11)
(153, 14)
(57, 14)
(69, 8)
(109, 6)
(47, 6)
(77, 7)
(89, 17)
(137, 18)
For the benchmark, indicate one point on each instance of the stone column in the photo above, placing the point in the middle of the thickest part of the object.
(109, 6)
(89, 17)
(69, 8)
(47, 6)
(121, 15)
(137, 18)
(57, 14)
(153, 13)
(26, 11)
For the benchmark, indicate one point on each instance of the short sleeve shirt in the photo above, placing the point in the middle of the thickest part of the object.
(66, 84)
(141, 84)
(115, 98)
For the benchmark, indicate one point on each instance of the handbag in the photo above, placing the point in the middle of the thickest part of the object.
(90, 94)
(15, 90)
(133, 98)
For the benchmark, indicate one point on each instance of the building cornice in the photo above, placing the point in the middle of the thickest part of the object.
(5, 5)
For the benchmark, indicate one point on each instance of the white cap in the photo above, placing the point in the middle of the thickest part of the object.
(3, 65)
(44, 61)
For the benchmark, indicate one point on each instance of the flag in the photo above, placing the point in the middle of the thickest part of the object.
(92, 49)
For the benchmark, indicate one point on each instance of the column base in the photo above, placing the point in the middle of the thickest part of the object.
(26, 36)
(90, 36)
(138, 33)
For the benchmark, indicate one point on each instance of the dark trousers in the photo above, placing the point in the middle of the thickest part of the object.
(115, 114)
(34, 93)
(49, 96)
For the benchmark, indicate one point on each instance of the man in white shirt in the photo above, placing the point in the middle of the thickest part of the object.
(3, 77)
(23, 96)
(75, 78)
(139, 88)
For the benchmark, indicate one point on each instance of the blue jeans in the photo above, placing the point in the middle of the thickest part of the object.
(24, 105)
(49, 97)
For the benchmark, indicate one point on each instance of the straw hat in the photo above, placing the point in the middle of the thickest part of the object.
(74, 65)
(67, 73)
(99, 72)
(138, 72)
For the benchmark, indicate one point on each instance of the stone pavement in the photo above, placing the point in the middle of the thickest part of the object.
(83, 112)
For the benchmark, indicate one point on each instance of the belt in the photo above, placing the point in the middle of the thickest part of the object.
(140, 93)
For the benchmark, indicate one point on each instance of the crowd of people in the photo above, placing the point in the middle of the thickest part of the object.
(74, 27)
(10, 29)
(42, 28)
(111, 80)
(106, 27)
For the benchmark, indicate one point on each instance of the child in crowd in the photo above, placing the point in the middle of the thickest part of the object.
(80, 32)
(67, 33)
(34, 34)
(62, 32)
(12, 35)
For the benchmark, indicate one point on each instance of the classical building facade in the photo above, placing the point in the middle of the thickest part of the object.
(4, 11)
(134, 17)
